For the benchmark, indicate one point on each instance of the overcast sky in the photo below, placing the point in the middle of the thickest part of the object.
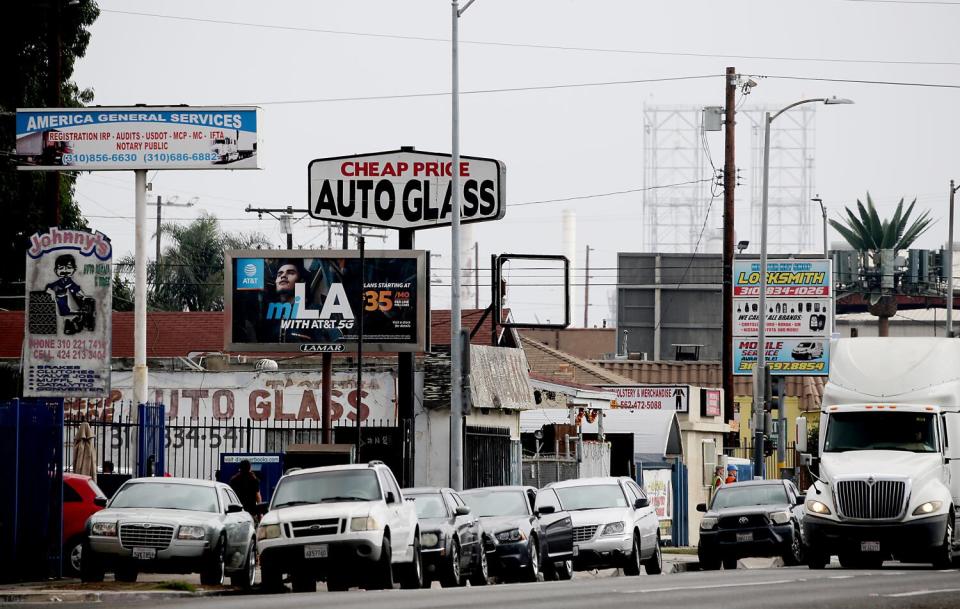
(297, 59)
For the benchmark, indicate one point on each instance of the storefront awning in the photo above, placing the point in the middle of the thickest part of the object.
(655, 432)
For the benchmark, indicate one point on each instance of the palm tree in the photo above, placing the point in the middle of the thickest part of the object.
(190, 274)
(878, 243)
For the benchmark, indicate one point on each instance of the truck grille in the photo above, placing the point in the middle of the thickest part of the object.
(586, 533)
(145, 535)
(314, 528)
(871, 499)
(737, 522)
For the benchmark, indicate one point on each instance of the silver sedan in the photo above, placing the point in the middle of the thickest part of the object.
(171, 525)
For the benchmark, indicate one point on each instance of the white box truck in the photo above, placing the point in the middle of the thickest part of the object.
(889, 454)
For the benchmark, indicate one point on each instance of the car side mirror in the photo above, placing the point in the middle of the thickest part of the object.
(546, 509)
(263, 507)
(801, 499)
(642, 502)
(391, 498)
(100, 501)
(234, 508)
(701, 507)
(462, 510)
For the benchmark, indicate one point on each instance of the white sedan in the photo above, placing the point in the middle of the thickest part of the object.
(614, 525)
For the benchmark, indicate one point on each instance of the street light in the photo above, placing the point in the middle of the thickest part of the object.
(823, 210)
(758, 371)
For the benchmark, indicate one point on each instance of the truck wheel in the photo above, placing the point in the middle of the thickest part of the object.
(271, 578)
(381, 575)
(412, 575)
(730, 564)
(125, 573)
(337, 582)
(943, 555)
(708, 561)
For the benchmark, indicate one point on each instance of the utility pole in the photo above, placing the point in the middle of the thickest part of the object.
(586, 291)
(53, 61)
(949, 264)
(476, 275)
(729, 184)
(170, 202)
(283, 214)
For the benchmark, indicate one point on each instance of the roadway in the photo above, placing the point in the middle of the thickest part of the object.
(892, 586)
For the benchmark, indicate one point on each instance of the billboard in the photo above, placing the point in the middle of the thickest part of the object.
(652, 397)
(798, 319)
(310, 300)
(404, 189)
(69, 300)
(137, 137)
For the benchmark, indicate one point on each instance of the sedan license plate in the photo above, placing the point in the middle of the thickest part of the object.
(869, 546)
(744, 537)
(317, 551)
(145, 553)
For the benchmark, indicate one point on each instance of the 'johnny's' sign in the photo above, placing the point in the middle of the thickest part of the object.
(405, 189)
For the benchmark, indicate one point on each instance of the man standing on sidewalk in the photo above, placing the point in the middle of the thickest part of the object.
(247, 487)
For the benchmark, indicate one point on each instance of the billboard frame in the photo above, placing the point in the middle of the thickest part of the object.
(422, 286)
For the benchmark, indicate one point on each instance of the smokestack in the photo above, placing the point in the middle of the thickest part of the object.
(570, 251)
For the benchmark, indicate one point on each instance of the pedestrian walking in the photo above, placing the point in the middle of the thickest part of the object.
(731, 474)
(247, 487)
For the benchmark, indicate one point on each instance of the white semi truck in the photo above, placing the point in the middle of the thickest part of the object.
(889, 454)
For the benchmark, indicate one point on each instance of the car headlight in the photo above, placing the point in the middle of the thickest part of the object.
(192, 533)
(780, 517)
(927, 508)
(708, 522)
(104, 529)
(429, 540)
(614, 528)
(511, 535)
(364, 523)
(817, 507)
(268, 531)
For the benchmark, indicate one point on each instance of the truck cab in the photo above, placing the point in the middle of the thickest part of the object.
(885, 486)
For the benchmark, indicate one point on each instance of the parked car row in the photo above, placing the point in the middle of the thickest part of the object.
(351, 525)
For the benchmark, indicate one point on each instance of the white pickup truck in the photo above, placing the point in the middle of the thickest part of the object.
(889, 460)
(346, 524)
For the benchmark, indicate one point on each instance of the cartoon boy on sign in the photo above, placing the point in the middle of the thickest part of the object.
(65, 287)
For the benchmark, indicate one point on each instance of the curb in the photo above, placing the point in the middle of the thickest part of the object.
(79, 596)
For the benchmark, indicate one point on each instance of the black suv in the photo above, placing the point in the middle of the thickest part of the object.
(752, 518)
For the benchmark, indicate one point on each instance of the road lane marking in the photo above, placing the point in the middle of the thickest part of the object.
(842, 576)
(708, 587)
(921, 592)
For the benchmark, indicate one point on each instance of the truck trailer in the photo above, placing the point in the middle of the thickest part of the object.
(887, 476)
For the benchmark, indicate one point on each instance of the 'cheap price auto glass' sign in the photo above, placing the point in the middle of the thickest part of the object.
(405, 189)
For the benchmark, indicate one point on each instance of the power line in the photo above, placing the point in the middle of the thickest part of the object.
(895, 83)
(548, 47)
(610, 194)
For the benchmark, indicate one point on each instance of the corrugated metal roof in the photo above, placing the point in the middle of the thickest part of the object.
(498, 378)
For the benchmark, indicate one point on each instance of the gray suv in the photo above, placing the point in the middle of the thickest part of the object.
(171, 525)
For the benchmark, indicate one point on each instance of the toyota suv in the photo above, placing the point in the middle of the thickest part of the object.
(346, 524)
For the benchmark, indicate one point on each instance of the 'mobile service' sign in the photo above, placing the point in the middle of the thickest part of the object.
(404, 189)
(137, 137)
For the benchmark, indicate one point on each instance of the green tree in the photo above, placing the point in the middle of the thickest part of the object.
(30, 31)
(879, 240)
(190, 274)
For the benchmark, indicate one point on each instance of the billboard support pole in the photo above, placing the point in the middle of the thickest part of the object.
(360, 245)
(406, 364)
(140, 299)
(326, 379)
(456, 406)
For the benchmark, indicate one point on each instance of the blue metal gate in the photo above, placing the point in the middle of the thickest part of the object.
(681, 500)
(150, 440)
(31, 507)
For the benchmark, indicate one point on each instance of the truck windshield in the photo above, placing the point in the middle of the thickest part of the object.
(327, 486)
(907, 431)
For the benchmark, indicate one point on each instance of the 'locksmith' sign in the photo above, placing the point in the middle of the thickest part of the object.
(405, 189)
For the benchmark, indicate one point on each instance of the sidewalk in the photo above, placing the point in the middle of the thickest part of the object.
(148, 587)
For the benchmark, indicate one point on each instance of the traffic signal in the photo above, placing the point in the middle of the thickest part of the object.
(768, 446)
